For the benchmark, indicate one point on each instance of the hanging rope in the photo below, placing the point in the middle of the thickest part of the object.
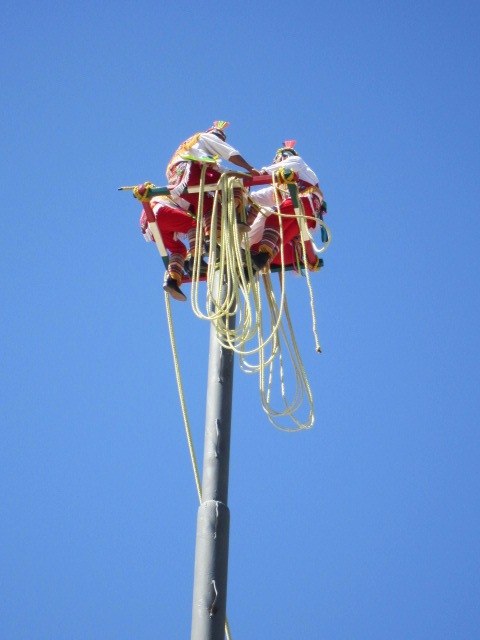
(229, 255)
(243, 298)
(186, 422)
(181, 396)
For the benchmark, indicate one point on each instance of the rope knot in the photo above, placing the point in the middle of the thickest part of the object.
(141, 191)
(286, 176)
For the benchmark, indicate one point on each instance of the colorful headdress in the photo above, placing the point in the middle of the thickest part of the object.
(218, 129)
(287, 149)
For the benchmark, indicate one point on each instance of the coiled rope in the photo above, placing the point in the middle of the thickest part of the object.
(243, 298)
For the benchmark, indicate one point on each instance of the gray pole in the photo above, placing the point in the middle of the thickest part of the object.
(213, 520)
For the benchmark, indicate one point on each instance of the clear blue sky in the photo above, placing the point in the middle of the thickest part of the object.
(366, 526)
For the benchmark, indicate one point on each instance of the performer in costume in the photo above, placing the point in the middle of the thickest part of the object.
(185, 167)
(171, 221)
(265, 248)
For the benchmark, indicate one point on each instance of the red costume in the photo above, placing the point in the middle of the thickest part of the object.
(171, 220)
(311, 198)
(185, 169)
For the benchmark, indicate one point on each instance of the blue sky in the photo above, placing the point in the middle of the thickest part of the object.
(366, 526)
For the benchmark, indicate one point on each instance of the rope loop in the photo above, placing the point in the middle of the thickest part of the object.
(260, 333)
(286, 176)
(141, 191)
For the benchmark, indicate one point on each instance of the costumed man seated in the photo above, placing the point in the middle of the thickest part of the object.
(171, 221)
(265, 233)
(185, 169)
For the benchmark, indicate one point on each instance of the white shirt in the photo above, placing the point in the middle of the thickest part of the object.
(298, 165)
(208, 144)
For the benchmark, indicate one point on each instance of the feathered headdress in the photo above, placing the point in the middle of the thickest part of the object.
(218, 128)
(288, 147)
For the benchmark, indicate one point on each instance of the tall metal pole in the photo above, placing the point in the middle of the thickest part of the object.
(213, 520)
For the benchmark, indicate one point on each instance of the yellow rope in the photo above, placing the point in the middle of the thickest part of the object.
(318, 348)
(246, 290)
(320, 250)
(302, 387)
(143, 197)
(185, 418)
(182, 398)
(243, 297)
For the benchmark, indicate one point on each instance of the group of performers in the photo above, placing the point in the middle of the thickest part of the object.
(199, 157)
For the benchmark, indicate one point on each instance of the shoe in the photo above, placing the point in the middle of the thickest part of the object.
(260, 260)
(174, 290)
(188, 266)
